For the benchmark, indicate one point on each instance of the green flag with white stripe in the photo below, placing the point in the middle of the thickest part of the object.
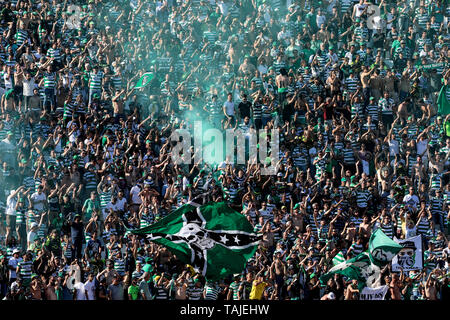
(144, 80)
(213, 238)
(339, 258)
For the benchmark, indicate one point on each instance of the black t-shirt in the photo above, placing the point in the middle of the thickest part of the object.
(76, 230)
(288, 111)
(244, 109)
(7, 15)
(445, 292)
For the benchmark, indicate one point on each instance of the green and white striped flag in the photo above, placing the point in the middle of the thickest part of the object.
(144, 80)
(339, 258)
(213, 238)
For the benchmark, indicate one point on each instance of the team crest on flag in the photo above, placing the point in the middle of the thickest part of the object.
(214, 239)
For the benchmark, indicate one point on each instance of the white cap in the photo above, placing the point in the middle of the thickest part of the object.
(331, 296)
(33, 225)
(16, 251)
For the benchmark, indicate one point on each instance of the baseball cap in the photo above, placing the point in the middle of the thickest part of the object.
(34, 225)
(331, 296)
(16, 251)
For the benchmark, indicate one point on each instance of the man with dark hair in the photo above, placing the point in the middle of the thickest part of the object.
(244, 107)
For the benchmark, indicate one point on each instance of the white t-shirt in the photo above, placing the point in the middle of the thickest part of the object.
(134, 193)
(28, 86)
(411, 232)
(411, 199)
(121, 203)
(38, 201)
(393, 148)
(13, 262)
(89, 286)
(11, 205)
(422, 147)
(229, 108)
(81, 295)
(31, 237)
(108, 208)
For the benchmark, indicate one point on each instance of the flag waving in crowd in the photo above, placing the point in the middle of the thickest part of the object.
(366, 267)
(213, 238)
(144, 80)
(382, 249)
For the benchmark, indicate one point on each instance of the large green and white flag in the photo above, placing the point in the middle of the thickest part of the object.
(382, 249)
(213, 238)
(144, 80)
(366, 267)
(359, 268)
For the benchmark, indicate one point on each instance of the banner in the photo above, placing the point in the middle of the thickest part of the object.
(373, 293)
(433, 66)
(410, 256)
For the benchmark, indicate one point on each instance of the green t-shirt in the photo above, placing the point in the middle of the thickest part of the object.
(90, 206)
(447, 128)
(307, 52)
(134, 292)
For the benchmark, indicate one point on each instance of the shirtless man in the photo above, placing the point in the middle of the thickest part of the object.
(247, 68)
(351, 293)
(35, 103)
(430, 287)
(278, 271)
(334, 82)
(389, 85)
(8, 103)
(297, 220)
(282, 82)
(365, 81)
(395, 288)
(376, 85)
(36, 288)
(402, 111)
(438, 163)
(365, 228)
(181, 287)
(118, 103)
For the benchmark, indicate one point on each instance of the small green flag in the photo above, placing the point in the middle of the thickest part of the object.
(213, 238)
(339, 258)
(442, 101)
(382, 249)
(144, 80)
